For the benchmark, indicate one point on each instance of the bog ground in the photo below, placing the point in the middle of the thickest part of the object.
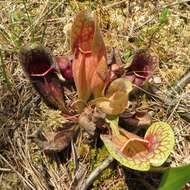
(162, 26)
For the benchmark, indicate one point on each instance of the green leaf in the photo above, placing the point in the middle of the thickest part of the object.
(137, 164)
(161, 138)
(118, 141)
(164, 16)
(113, 122)
(137, 153)
(175, 178)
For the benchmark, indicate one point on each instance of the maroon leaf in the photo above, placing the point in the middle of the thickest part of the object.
(141, 67)
(65, 67)
(39, 67)
(136, 118)
(36, 61)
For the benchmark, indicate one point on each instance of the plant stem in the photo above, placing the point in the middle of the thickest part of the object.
(184, 80)
(96, 172)
(115, 130)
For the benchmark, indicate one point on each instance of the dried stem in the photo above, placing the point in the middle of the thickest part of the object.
(95, 173)
(182, 82)
(169, 100)
(18, 174)
(115, 4)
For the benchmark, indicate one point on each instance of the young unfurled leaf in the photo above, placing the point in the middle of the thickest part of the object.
(99, 77)
(116, 97)
(90, 63)
(39, 67)
(141, 67)
(82, 32)
(78, 68)
(140, 154)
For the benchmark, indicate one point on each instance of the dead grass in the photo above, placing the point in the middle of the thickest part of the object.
(22, 164)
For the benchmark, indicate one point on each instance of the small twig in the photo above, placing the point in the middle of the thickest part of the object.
(145, 23)
(185, 116)
(95, 173)
(43, 34)
(176, 3)
(174, 109)
(29, 21)
(5, 169)
(178, 88)
(149, 93)
(78, 178)
(169, 100)
(36, 134)
(75, 158)
(182, 82)
(115, 4)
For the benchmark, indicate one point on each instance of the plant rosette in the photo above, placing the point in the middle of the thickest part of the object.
(89, 90)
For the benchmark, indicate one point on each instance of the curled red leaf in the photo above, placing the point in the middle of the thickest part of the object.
(36, 61)
(39, 66)
(142, 66)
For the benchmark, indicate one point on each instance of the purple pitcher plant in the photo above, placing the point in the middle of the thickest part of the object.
(93, 91)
